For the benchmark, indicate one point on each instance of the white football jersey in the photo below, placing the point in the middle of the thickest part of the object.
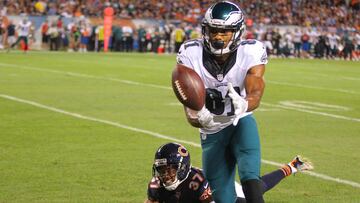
(24, 28)
(250, 53)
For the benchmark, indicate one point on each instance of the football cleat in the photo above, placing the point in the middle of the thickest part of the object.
(300, 164)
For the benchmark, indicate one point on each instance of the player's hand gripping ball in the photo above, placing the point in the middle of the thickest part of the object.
(188, 87)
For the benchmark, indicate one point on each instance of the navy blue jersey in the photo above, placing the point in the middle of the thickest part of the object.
(194, 189)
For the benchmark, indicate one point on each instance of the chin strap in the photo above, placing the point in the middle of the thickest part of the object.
(173, 186)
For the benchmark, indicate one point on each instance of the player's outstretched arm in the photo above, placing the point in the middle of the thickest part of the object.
(192, 118)
(254, 85)
(200, 119)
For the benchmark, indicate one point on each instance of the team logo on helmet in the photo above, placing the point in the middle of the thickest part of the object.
(182, 151)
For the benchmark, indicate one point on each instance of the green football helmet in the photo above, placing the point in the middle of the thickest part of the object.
(223, 15)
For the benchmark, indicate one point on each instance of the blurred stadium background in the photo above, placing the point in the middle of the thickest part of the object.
(78, 127)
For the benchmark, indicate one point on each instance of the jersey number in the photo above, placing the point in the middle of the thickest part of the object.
(194, 185)
(216, 103)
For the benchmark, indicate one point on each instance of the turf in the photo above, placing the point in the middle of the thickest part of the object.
(310, 107)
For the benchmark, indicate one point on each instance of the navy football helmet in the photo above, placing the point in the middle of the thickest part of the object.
(171, 165)
(223, 15)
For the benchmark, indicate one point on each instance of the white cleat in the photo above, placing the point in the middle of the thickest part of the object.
(300, 164)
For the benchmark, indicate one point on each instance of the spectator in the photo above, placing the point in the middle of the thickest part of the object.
(99, 38)
(127, 38)
(334, 44)
(117, 36)
(11, 38)
(305, 38)
(349, 47)
(53, 32)
(85, 37)
(179, 36)
(276, 37)
(2, 33)
(44, 33)
(142, 39)
(297, 42)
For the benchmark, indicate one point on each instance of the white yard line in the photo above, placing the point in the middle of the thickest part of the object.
(160, 86)
(129, 82)
(311, 87)
(312, 112)
(81, 75)
(158, 135)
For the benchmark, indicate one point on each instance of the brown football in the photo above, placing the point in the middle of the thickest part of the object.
(188, 87)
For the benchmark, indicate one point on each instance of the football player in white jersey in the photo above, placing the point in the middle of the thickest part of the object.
(232, 72)
(24, 30)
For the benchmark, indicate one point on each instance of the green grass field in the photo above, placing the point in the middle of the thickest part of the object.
(84, 127)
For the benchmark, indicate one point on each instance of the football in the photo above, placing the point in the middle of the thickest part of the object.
(188, 87)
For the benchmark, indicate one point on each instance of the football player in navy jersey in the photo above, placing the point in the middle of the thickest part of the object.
(232, 71)
(176, 181)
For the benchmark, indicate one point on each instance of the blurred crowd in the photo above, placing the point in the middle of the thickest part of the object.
(320, 29)
(308, 42)
(280, 12)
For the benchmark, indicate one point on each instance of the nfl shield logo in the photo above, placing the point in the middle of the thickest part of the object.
(203, 136)
(220, 77)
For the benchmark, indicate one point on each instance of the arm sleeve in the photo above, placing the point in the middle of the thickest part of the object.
(153, 190)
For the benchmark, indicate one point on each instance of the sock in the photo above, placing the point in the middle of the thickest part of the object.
(288, 170)
(253, 190)
(271, 179)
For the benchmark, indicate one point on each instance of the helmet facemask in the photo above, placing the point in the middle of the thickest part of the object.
(223, 16)
(172, 169)
(168, 175)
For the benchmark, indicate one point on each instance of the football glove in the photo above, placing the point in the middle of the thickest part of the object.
(206, 119)
(240, 104)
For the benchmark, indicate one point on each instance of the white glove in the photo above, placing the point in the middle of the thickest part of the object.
(240, 104)
(206, 119)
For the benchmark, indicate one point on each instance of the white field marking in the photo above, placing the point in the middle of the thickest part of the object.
(129, 82)
(161, 87)
(350, 78)
(312, 112)
(327, 76)
(259, 109)
(158, 86)
(267, 109)
(174, 104)
(311, 87)
(101, 62)
(158, 135)
(336, 78)
(314, 105)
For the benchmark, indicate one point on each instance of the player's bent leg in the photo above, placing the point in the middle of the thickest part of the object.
(219, 168)
(246, 147)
